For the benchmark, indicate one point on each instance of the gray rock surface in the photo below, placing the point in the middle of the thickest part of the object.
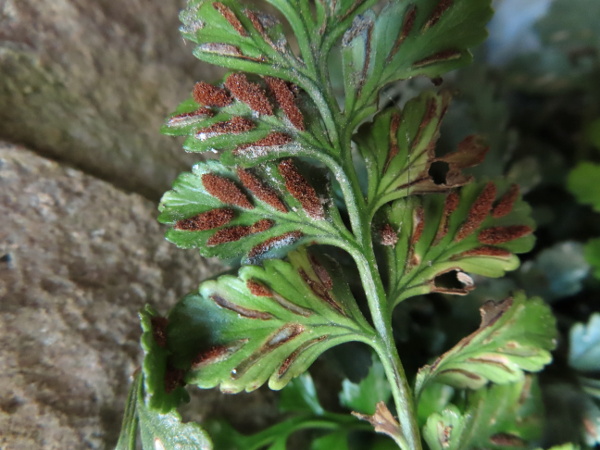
(78, 259)
(90, 82)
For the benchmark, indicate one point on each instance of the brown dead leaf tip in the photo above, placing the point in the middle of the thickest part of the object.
(499, 235)
(301, 190)
(491, 311)
(274, 242)
(159, 330)
(258, 289)
(260, 190)
(237, 125)
(439, 10)
(230, 17)
(249, 93)
(173, 379)
(493, 252)
(274, 139)
(208, 220)
(506, 203)
(209, 95)
(445, 55)
(225, 190)
(287, 101)
(478, 212)
(388, 235)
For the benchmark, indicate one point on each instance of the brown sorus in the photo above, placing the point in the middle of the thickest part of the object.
(242, 311)
(237, 232)
(418, 224)
(159, 330)
(297, 185)
(273, 139)
(499, 235)
(230, 17)
(206, 220)
(284, 239)
(217, 354)
(260, 190)
(225, 190)
(261, 226)
(478, 212)
(173, 379)
(450, 205)
(286, 100)
(184, 118)
(388, 235)
(285, 365)
(236, 125)
(437, 13)
(487, 251)
(258, 289)
(393, 140)
(229, 234)
(506, 202)
(250, 93)
(445, 55)
(209, 95)
(407, 26)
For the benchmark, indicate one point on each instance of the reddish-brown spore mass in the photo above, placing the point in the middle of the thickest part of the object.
(450, 205)
(250, 93)
(229, 234)
(506, 203)
(271, 140)
(225, 190)
(230, 16)
(499, 235)
(173, 379)
(258, 289)
(206, 220)
(389, 237)
(487, 251)
(261, 226)
(297, 185)
(186, 117)
(286, 100)
(439, 10)
(271, 243)
(237, 232)
(209, 95)
(260, 190)
(478, 212)
(159, 330)
(236, 125)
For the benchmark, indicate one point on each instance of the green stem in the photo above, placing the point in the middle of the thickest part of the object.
(364, 257)
(380, 313)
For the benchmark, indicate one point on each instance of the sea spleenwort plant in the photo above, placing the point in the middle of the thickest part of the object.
(306, 168)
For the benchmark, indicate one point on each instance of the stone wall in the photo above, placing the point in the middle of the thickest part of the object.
(84, 87)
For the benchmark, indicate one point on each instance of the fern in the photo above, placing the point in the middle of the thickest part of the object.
(304, 168)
